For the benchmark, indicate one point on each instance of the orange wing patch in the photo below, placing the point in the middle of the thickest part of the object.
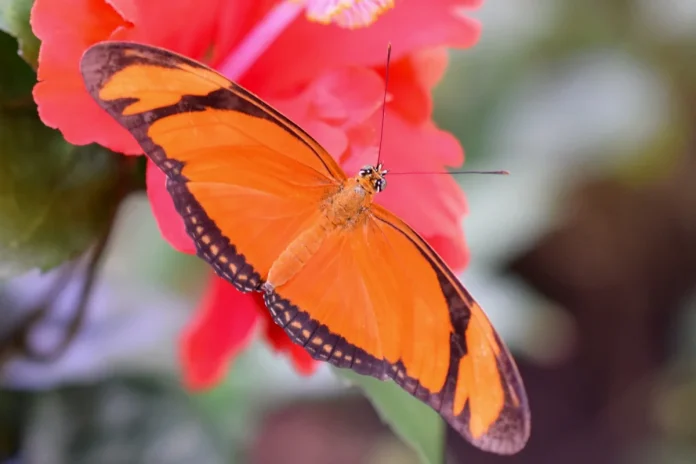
(170, 85)
(479, 382)
(224, 146)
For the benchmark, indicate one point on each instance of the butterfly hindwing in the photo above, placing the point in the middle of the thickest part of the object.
(389, 307)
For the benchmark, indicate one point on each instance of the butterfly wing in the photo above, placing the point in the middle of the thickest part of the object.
(245, 179)
(389, 307)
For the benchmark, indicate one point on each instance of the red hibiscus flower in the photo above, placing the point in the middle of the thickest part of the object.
(328, 78)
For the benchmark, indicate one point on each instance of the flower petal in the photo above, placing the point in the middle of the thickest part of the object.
(161, 23)
(66, 29)
(411, 25)
(281, 343)
(223, 325)
(336, 103)
(411, 81)
(453, 249)
(170, 223)
(433, 205)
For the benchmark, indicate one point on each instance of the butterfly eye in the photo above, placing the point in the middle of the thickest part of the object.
(366, 171)
(380, 184)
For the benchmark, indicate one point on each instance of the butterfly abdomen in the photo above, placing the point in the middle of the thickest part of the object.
(293, 258)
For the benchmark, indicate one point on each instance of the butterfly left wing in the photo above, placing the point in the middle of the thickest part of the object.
(245, 179)
(377, 299)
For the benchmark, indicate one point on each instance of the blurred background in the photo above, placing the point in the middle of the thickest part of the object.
(584, 258)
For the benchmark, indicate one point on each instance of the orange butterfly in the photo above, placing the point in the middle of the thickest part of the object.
(272, 212)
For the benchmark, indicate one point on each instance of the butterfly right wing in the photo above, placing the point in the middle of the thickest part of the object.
(245, 179)
(377, 299)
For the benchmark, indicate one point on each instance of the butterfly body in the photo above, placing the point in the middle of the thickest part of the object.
(344, 209)
(270, 210)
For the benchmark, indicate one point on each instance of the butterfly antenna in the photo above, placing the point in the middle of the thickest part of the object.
(384, 104)
(499, 173)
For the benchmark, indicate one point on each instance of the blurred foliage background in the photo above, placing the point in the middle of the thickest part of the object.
(584, 258)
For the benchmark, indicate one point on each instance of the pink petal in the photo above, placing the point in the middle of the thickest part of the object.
(66, 29)
(411, 81)
(452, 248)
(433, 205)
(336, 103)
(222, 326)
(411, 25)
(161, 23)
(170, 223)
(281, 343)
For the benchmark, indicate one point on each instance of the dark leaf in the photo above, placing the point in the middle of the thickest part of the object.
(14, 19)
(119, 420)
(16, 79)
(55, 198)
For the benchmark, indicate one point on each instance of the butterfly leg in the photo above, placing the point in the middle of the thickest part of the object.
(267, 288)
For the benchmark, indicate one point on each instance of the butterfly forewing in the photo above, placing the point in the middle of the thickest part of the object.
(223, 151)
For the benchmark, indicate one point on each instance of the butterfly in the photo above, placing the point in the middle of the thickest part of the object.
(272, 212)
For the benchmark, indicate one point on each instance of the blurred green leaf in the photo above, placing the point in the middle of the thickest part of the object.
(657, 159)
(413, 421)
(14, 19)
(118, 420)
(232, 415)
(16, 78)
(55, 198)
(11, 405)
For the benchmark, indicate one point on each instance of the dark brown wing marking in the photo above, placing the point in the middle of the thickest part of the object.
(211, 244)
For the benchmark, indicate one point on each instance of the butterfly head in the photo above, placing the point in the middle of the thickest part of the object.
(372, 178)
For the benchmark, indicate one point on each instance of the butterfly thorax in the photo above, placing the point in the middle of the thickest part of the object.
(345, 207)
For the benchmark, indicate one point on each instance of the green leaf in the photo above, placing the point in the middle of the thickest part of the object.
(16, 78)
(131, 420)
(14, 19)
(12, 404)
(413, 421)
(55, 199)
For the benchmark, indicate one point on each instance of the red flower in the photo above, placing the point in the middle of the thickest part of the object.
(330, 80)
